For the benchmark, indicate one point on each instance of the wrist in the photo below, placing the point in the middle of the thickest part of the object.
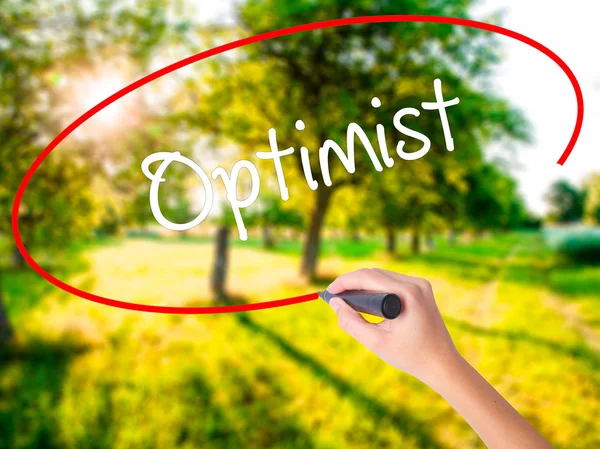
(446, 371)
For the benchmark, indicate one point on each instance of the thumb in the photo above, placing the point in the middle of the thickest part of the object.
(352, 322)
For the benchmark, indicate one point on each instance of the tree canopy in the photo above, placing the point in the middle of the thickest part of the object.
(328, 77)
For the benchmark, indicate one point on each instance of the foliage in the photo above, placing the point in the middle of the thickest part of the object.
(327, 78)
(592, 199)
(566, 202)
(41, 43)
(580, 245)
(275, 213)
(23, 60)
(493, 201)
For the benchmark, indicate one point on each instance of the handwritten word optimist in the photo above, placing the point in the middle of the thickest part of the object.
(354, 131)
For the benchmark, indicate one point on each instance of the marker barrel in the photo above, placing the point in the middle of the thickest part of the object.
(385, 305)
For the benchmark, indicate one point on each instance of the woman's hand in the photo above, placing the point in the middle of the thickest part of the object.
(416, 342)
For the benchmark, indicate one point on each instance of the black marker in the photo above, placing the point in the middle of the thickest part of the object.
(385, 305)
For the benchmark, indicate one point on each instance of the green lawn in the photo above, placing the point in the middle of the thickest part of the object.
(82, 375)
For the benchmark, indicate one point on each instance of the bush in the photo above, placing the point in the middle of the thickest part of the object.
(580, 245)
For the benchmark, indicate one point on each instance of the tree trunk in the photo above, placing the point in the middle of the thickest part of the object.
(219, 272)
(17, 258)
(416, 241)
(390, 245)
(452, 237)
(429, 241)
(268, 240)
(312, 243)
(5, 329)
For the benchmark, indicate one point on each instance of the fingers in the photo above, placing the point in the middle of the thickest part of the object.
(397, 276)
(363, 279)
(374, 279)
(423, 283)
(352, 322)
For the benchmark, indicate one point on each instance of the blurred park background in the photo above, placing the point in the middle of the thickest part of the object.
(519, 289)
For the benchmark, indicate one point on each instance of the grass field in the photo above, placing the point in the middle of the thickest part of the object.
(82, 375)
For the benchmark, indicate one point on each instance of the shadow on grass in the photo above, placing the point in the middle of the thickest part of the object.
(527, 262)
(23, 289)
(257, 419)
(377, 411)
(464, 267)
(323, 279)
(214, 425)
(593, 323)
(580, 352)
(573, 280)
(31, 389)
(401, 419)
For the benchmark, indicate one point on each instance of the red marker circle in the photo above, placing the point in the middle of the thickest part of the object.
(231, 46)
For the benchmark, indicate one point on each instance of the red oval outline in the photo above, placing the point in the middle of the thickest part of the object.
(230, 46)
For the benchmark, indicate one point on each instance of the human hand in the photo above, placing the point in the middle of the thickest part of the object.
(417, 341)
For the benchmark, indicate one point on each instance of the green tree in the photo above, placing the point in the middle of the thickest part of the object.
(566, 202)
(492, 201)
(21, 124)
(40, 41)
(327, 79)
(592, 198)
(274, 215)
(439, 192)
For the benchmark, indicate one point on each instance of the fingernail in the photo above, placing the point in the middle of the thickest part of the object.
(335, 304)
